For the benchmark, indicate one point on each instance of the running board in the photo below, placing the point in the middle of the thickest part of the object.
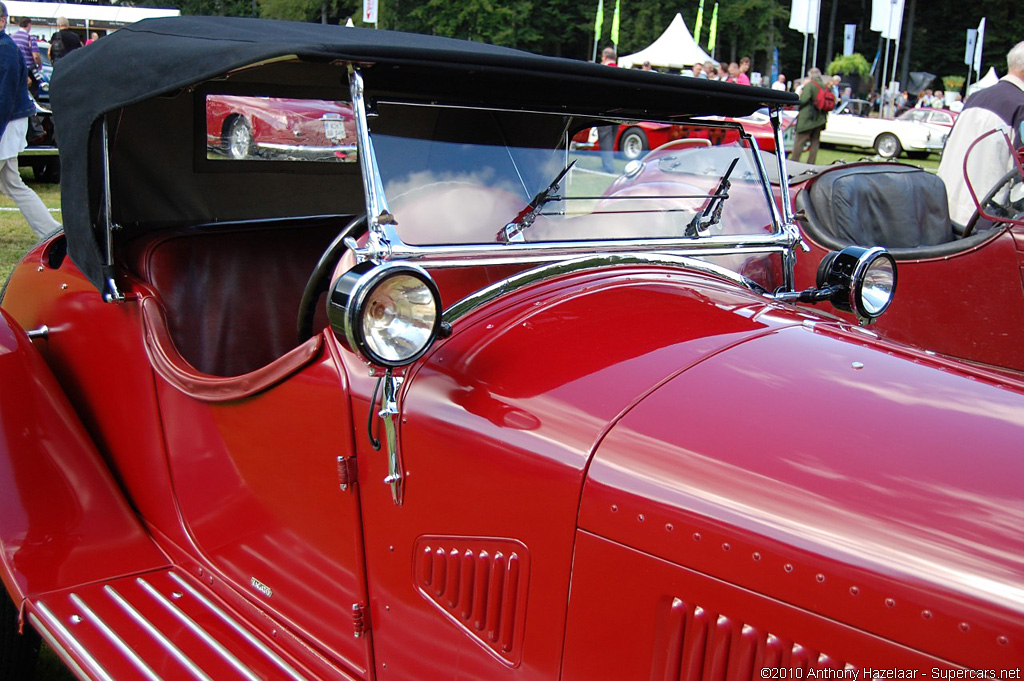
(158, 625)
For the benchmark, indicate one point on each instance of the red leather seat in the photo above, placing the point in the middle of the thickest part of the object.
(231, 293)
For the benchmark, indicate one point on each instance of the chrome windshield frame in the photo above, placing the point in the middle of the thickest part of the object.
(385, 244)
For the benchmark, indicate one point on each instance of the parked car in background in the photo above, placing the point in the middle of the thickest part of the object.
(634, 140)
(941, 117)
(250, 127)
(461, 406)
(41, 154)
(850, 125)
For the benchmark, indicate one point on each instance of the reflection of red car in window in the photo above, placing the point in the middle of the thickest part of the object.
(274, 127)
(633, 140)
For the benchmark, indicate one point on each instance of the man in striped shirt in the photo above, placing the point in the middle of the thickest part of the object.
(29, 48)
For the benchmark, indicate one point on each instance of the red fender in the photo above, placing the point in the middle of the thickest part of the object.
(81, 529)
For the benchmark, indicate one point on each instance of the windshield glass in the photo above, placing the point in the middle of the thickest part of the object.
(461, 176)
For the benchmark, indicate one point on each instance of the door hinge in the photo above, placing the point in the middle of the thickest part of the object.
(347, 472)
(360, 620)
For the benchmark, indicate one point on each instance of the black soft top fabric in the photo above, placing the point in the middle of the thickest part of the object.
(156, 57)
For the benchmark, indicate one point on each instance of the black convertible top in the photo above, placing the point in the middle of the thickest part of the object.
(159, 57)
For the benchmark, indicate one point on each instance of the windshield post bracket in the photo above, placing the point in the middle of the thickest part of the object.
(389, 413)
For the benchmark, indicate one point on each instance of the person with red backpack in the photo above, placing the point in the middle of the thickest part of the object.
(816, 100)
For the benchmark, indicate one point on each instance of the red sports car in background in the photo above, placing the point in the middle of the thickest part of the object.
(244, 127)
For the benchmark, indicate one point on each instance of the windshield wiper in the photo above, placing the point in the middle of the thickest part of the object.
(712, 213)
(513, 231)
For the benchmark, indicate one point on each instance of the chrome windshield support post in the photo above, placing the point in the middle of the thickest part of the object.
(788, 224)
(389, 413)
(381, 222)
(112, 294)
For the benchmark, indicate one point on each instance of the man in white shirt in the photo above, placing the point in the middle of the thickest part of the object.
(15, 108)
(1000, 107)
(780, 83)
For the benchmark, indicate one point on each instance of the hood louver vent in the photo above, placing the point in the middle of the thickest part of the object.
(704, 645)
(480, 584)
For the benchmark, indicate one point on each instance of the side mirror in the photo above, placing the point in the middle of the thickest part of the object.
(861, 280)
(389, 313)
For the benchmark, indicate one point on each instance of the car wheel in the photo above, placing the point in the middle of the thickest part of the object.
(238, 141)
(18, 651)
(633, 143)
(888, 145)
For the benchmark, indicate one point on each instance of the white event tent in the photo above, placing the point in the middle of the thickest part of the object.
(675, 49)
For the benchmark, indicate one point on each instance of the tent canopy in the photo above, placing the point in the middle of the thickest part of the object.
(675, 49)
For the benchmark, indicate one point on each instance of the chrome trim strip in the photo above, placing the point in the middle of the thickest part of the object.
(230, 621)
(57, 646)
(114, 638)
(52, 621)
(516, 281)
(190, 624)
(148, 626)
(304, 149)
(541, 251)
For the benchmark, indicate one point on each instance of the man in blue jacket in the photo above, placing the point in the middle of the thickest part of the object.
(15, 108)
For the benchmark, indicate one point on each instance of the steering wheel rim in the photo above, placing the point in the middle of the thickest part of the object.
(320, 279)
(1005, 180)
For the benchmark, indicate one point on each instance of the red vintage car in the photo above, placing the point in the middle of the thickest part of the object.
(460, 408)
(253, 127)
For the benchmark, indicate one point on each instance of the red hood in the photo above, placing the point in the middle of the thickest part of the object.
(835, 476)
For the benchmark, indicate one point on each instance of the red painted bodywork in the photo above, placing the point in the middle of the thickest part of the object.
(969, 305)
(583, 448)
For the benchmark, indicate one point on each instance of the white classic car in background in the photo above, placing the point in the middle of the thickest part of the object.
(850, 125)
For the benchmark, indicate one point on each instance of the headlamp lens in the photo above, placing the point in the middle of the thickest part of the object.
(399, 318)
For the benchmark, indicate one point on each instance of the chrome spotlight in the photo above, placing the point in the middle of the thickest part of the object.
(390, 313)
(862, 280)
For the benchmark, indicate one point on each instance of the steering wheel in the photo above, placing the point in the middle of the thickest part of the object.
(320, 279)
(1007, 210)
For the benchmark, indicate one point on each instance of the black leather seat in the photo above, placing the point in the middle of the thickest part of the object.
(894, 206)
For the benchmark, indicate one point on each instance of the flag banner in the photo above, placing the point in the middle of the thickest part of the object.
(803, 15)
(972, 39)
(615, 24)
(713, 30)
(700, 20)
(887, 18)
(598, 22)
(849, 34)
(979, 46)
(370, 11)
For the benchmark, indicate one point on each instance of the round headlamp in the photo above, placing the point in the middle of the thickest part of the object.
(390, 314)
(864, 279)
